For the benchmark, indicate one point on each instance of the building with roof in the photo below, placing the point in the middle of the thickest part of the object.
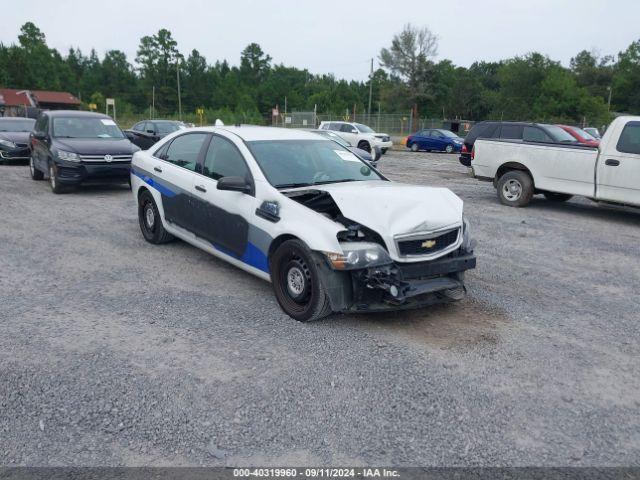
(27, 103)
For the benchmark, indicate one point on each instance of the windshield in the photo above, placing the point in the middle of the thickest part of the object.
(447, 133)
(363, 128)
(301, 163)
(558, 134)
(584, 134)
(86, 127)
(12, 125)
(168, 127)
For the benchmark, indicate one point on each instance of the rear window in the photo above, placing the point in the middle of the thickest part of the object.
(481, 130)
(535, 134)
(629, 141)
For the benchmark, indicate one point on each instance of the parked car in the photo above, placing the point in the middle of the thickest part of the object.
(594, 132)
(147, 133)
(434, 139)
(72, 147)
(328, 231)
(520, 170)
(14, 138)
(538, 132)
(371, 157)
(581, 136)
(359, 135)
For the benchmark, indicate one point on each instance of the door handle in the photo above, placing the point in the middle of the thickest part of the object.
(612, 163)
(157, 169)
(200, 188)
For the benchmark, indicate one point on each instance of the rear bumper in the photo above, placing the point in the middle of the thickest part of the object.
(74, 174)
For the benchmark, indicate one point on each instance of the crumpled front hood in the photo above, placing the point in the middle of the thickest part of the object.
(392, 208)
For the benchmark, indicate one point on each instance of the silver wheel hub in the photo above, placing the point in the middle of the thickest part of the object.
(149, 216)
(31, 165)
(52, 177)
(512, 190)
(295, 281)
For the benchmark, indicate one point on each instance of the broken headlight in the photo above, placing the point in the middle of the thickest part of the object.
(357, 255)
(468, 244)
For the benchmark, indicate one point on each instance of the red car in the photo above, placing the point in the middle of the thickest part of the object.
(581, 136)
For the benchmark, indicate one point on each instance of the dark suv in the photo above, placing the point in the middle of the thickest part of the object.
(146, 133)
(523, 131)
(73, 147)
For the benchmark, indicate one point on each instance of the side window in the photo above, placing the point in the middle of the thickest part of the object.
(184, 150)
(346, 128)
(629, 141)
(224, 160)
(138, 127)
(334, 126)
(535, 134)
(150, 127)
(512, 132)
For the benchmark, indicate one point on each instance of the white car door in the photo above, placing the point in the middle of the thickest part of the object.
(174, 172)
(618, 173)
(222, 216)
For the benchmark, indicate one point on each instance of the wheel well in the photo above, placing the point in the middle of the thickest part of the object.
(504, 168)
(362, 142)
(279, 241)
(141, 190)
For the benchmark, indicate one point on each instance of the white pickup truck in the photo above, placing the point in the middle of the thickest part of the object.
(520, 169)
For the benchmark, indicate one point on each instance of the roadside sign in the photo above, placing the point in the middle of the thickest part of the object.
(287, 119)
(275, 112)
(93, 106)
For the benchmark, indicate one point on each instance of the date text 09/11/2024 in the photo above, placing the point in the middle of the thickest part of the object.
(317, 472)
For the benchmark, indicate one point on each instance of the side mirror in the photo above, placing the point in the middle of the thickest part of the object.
(354, 130)
(234, 184)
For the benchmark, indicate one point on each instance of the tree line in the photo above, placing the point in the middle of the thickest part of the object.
(529, 87)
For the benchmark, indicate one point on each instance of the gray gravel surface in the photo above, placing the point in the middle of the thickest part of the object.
(117, 352)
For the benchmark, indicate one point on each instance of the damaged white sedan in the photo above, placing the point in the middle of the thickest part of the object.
(330, 232)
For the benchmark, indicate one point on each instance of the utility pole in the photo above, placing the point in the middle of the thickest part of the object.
(179, 99)
(370, 89)
(153, 102)
(609, 101)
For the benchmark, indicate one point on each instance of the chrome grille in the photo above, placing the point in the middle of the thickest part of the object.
(102, 159)
(428, 244)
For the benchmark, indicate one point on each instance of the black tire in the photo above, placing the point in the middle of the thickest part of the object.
(366, 146)
(415, 147)
(384, 150)
(515, 188)
(54, 182)
(557, 197)
(35, 173)
(449, 149)
(150, 222)
(296, 282)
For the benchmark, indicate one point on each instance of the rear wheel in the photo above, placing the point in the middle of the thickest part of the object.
(35, 173)
(515, 188)
(414, 147)
(557, 197)
(296, 282)
(150, 222)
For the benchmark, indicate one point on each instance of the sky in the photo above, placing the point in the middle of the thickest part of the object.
(332, 36)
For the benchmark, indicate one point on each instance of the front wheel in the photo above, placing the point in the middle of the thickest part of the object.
(35, 173)
(365, 146)
(557, 197)
(296, 282)
(54, 182)
(449, 149)
(515, 188)
(150, 222)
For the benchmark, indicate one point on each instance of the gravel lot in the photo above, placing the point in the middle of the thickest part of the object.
(117, 352)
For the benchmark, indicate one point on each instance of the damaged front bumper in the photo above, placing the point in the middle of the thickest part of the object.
(401, 285)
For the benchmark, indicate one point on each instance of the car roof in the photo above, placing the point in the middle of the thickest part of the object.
(250, 133)
(74, 113)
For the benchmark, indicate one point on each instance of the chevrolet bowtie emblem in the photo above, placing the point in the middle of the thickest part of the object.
(428, 244)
